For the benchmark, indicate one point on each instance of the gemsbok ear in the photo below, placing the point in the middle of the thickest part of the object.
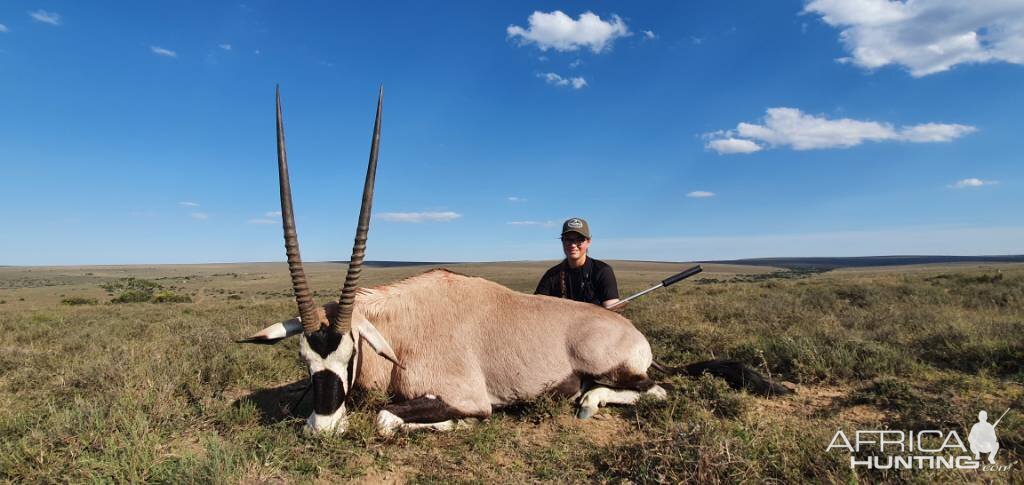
(377, 342)
(275, 333)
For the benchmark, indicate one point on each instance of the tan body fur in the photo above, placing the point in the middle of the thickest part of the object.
(478, 345)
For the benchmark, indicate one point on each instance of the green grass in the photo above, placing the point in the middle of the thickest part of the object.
(157, 392)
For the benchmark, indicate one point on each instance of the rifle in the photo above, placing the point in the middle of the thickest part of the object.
(665, 282)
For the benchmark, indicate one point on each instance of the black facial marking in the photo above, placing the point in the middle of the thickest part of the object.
(324, 341)
(328, 393)
(351, 369)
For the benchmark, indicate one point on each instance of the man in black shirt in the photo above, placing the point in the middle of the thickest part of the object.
(579, 277)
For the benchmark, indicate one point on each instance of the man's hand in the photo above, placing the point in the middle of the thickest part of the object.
(610, 303)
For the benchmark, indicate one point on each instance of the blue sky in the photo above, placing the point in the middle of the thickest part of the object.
(142, 132)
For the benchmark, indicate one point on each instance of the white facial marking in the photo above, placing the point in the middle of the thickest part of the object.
(333, 423)
(336, 362)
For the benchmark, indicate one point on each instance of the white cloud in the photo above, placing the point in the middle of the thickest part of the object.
(575, 64)
(700, 194)
(202, 216)
(649, 35)
(696, 40)
(515, 199)
(926, 36)
(226, 47)
(160, 51)
(972, 182)
(188, 204)
(270, 217)
(45, 17)
(559, 31)
(792, 128)
(533, 223)
(555, 79)
(934, 132)
(3, 28)
(733, 145)
(417, 217)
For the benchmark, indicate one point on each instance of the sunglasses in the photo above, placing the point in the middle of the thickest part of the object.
(570, 241)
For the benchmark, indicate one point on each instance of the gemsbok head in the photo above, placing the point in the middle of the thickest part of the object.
(328, 334)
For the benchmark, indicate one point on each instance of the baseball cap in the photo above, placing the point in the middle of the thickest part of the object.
(576, 225)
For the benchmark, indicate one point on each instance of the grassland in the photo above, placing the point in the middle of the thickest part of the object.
(96, 391)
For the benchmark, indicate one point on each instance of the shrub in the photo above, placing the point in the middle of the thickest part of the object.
(169, 297)
(133, 290)
(133, 296)
(79, 300)
(127, 284)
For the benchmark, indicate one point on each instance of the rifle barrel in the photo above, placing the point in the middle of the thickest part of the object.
(1000, 418)
(665, 282)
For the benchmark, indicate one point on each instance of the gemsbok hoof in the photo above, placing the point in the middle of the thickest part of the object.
(585, 413)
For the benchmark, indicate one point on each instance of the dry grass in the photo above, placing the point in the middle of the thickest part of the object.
(157, 392)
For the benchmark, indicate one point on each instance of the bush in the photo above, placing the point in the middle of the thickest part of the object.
(126, 284)
(79, 300)
(133, 296)
(169, 297)
(133, 290)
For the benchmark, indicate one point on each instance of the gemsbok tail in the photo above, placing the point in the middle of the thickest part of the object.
(737, 375)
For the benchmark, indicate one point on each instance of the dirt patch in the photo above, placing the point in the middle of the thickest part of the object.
(817, 402)
(603, 429)
(393, 476)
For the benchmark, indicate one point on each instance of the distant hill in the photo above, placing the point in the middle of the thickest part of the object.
(394, 264)
(823, 264)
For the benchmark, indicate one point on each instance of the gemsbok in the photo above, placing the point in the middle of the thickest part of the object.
(447, 346)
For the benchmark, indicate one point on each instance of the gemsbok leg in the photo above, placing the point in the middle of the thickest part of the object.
(618, 387)
(601, 396)
(427, 412)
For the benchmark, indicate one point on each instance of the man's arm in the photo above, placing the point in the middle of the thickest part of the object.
(544, 286)
(607, 287)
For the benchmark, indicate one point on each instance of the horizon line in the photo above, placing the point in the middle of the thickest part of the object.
(978, 258)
